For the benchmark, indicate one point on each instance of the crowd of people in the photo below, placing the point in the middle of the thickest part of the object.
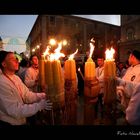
(19, 97)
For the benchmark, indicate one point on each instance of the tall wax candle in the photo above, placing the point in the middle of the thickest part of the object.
(90, 65)
(54, 78)
(42, 81)
(89, 69)
(109, 65)
(70, 75)
(70, 67)
(109, 75)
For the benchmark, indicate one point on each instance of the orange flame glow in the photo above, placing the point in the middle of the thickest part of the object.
(56, 55)
(109, 54)
(46, 51)
(72, 55)
(91, 47)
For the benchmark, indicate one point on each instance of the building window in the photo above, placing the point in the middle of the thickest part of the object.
(52, 20)
(130, 34)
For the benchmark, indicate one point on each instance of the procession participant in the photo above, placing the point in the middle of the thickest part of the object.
(132, 75)
(31, 78)
(132, 107)
(100, 77)
(16, 101)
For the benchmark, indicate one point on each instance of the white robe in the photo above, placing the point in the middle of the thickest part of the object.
(132, 106)
(31, 76)
(132, 74)
(100, 76)
(124, 91)
(15, 101)
(133, 109)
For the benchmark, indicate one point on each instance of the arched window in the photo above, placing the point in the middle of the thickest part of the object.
(130, 33)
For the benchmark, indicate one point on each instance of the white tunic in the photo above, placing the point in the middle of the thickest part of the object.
(31, 76)
(100, 77)
(15, 101)
(132, 74)
(133, 105)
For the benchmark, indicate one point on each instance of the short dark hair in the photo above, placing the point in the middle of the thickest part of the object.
(136, 53)
(32, 57)
(3, 55)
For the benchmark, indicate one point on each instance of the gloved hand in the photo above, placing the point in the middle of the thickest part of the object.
(45, 104)
(48, 105)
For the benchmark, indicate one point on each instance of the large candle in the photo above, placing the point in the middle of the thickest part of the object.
(91, 87)
(90, 65)
(89, 69)
(70, 68)
(110, 66)
(54, 78)
(42, 81)
(70, 75)
(109, 75)
(71, 89)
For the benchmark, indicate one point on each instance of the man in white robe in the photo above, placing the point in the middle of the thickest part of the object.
(100, 76)
(32, 74)
(16, 101)
(132, 75)
(132, 105)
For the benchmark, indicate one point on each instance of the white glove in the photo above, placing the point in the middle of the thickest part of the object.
(48, 105)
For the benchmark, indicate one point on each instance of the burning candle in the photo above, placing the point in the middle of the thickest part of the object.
(71, 89)
(42, 81)
(109, 75)
(70, 67)
(54, 77)
(109, 67)
(90, 65)
(70, 76)
(91, 88)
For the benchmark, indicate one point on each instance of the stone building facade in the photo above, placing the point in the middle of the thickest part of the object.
(76, 30)
(130, 36)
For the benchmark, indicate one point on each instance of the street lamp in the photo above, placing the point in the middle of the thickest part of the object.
(64, 42)
(52, 42)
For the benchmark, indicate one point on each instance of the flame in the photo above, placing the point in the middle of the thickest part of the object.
(56, 55)
(91, 49)
(109, 54)
(72, 55)
(46, 51)
(79, 69)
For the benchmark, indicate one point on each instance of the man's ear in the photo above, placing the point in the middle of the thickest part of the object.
(3, 64)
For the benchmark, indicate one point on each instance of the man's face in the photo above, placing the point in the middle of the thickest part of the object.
(100, 62)
(11, 63)
(35, 60)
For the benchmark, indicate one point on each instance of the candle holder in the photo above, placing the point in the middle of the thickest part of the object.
(91, 91)
(91, 88)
